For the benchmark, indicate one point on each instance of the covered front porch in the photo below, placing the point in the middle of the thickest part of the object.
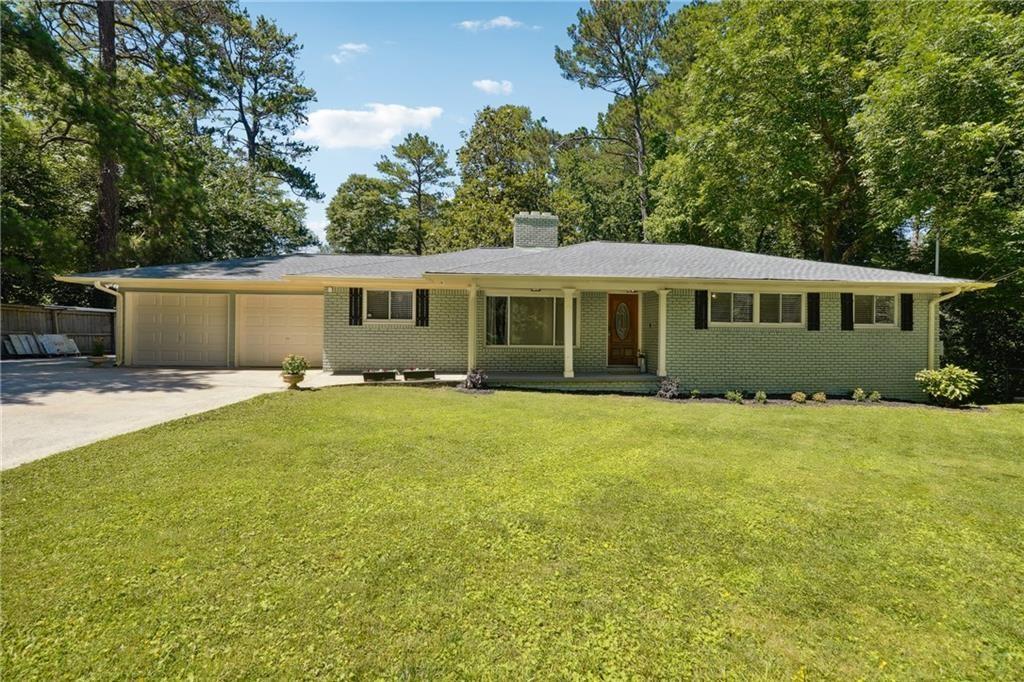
(517, 334)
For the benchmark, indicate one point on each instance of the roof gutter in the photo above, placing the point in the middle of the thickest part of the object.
(933, 323)
(118, 319)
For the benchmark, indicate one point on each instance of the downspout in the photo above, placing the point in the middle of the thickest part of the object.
(118, 319)
(933, 324)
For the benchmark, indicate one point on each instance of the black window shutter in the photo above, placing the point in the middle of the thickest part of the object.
(700, 309)
(907, 312)
(355, 306)
(846, 312)
(814, 311)
(422, 307)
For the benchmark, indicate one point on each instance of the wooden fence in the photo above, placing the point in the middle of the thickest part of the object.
(84, 325)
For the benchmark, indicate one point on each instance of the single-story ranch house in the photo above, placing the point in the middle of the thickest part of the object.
(715, 319)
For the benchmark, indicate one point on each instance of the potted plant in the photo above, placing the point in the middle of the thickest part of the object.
(379, 374)
(293, 370)
(418, 374)
(98, 357)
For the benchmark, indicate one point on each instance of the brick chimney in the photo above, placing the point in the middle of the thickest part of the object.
(533, 229)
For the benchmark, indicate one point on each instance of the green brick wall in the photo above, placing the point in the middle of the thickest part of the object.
(712, 360)
(785, 360)
(440, 346)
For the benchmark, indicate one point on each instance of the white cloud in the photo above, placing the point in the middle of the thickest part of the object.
(347, 51)
(375, 126)
(493, 87)
(487, 24)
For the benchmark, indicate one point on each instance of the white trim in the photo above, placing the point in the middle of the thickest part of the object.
(471, 329)
(663, 332)
(399, 322)
(568, 324)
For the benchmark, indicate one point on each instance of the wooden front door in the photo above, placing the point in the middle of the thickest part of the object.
(622, 329)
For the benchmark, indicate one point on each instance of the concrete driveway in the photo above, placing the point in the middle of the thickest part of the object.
(52, 405)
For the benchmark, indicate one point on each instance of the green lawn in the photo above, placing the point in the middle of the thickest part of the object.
(429, 533)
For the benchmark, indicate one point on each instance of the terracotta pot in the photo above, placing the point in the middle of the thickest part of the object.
(97, 360)
(293, 380)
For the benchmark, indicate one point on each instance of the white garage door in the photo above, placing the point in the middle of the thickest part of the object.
(179, 329)
(272, 326)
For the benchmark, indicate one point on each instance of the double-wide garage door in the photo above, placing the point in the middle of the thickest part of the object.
(179, 329)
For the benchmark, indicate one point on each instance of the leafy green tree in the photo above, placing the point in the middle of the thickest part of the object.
(363, 216)
(765, 158)
(262, 99)
(40, 200)
(420, 173)
(176, 196)
(505, 166)
(941, 131)
(595, 196)
(615, 49)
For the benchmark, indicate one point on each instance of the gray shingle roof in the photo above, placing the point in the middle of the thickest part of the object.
(414, 267)
(263, 268)
(682, 261)
(590, 259)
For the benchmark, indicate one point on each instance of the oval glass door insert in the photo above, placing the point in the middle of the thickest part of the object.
(622, 321)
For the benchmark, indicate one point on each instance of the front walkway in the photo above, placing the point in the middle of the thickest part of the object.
(51, 405)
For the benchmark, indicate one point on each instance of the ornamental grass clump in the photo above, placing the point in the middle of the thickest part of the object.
(799, 397)
(875, 397)
(859, 394)
(760, 397)
(949, 386)
(819, 397)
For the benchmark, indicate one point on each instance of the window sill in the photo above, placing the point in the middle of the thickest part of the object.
(755, 325)
(388, 323)
(513, 347)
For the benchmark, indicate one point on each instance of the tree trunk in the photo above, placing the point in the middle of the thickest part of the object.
(641, 165)
(109, 209)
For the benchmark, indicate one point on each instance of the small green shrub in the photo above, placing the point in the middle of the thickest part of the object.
(875, 397)
(694, 394)
(294, 364)
(949, 386)
(799, 397)
(819, 397)
(734, 396)
(859, 395)
(98, 349)
(669, 389)
(760, 397)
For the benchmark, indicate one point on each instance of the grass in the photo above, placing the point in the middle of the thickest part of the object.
(407, 532)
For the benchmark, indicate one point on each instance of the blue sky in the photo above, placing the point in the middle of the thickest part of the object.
(382, 70)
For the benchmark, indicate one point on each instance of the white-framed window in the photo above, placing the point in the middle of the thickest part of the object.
(871, 310)
(382, 305)
(749, 308)
(780, 308)
(528, 321)
(731, 307)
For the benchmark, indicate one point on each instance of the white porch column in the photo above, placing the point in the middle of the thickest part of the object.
(471, 325)
(568, 334)
(662, 332)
